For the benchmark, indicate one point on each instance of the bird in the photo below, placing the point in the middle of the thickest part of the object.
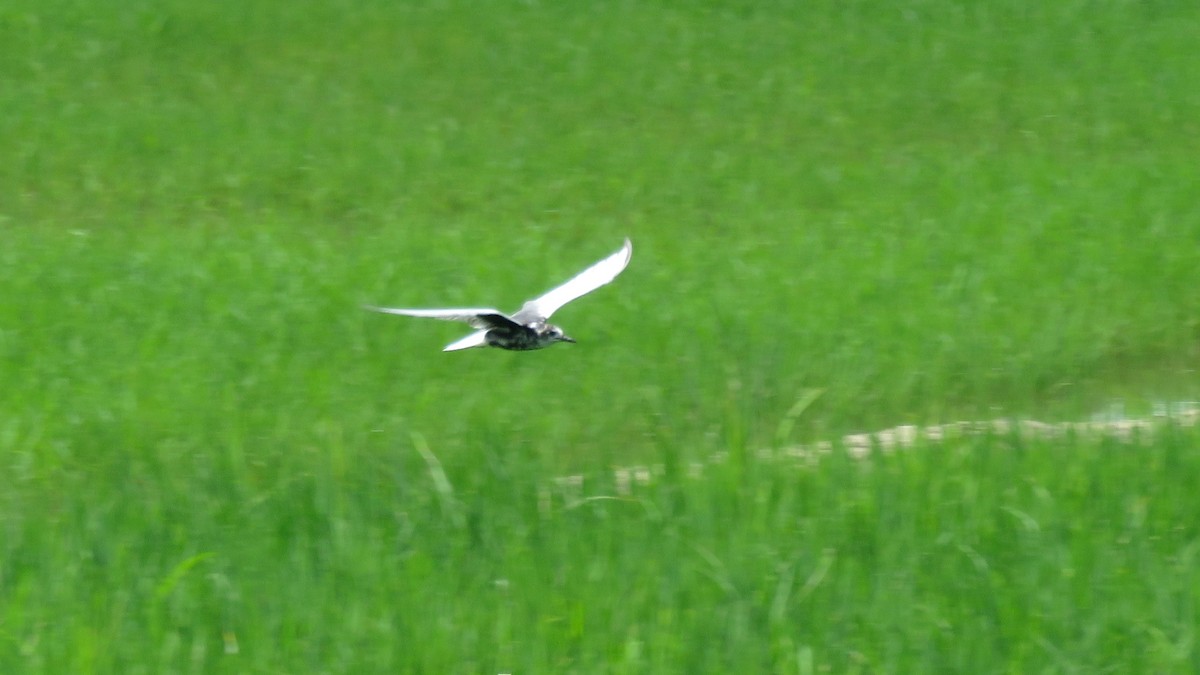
(527, 328)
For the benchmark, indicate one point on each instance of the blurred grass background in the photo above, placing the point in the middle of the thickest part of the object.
(927, 211)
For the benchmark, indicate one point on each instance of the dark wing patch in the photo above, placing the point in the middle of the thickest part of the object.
(492, 322)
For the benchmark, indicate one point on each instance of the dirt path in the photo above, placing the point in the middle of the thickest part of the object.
(1111, 424)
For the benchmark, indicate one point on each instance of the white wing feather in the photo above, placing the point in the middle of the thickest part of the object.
(581, 284)
(465, 315)
(476, 339)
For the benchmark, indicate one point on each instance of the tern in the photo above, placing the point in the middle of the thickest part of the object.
(527, 328)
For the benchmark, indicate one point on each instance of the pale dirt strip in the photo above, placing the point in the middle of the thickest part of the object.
(860, 446)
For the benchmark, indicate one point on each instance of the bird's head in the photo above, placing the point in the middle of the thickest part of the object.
(551, 334)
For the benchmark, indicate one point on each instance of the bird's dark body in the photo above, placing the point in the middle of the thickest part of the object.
(515, 337)
(505, 333)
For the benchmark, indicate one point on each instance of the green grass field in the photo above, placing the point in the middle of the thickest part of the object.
(212, 460)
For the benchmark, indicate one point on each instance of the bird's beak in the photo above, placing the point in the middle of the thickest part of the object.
(566, 338)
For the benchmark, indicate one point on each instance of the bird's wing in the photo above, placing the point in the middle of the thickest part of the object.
(476, 339)
(540, 309)
(476, 318)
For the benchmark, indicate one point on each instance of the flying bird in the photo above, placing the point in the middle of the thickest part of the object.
(527, 328)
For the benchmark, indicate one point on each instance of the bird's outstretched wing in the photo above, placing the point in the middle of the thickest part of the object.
(482, 319)
(476, 339)
(540, 309)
